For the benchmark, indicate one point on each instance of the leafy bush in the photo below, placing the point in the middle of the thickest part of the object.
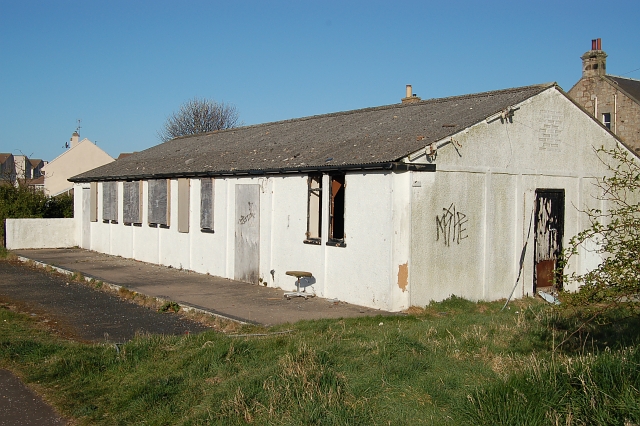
(613, 234)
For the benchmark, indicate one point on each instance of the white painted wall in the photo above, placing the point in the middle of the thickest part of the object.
(491, 179)
(364, 272)
(41, 233)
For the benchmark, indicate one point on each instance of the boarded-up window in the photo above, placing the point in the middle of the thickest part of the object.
(314, 209)
(93, 202)
(110, 202)
(132, 203)
(183, 205)
(159, 203)
(336, 211)
(206, 204)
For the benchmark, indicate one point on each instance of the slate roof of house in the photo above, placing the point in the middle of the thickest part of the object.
(35, 162)
(3, 157)
(367, 138)
(629, 85)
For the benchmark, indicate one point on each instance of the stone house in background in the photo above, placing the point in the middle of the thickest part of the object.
(613, 100)
(7, 168)
(81, 156)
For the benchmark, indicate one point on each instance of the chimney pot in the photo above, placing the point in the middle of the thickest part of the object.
(594, 62)
(411, 97)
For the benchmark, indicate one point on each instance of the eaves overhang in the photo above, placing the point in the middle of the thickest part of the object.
(394, 166)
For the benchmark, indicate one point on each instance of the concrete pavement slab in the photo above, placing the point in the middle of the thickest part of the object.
(228, 298)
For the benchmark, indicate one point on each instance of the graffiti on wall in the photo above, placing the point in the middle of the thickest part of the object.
(451, 226)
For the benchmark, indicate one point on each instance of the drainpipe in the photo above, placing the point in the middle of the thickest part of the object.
(615, 113)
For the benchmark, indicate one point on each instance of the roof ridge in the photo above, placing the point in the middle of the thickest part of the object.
(542, 87)
(625, 78)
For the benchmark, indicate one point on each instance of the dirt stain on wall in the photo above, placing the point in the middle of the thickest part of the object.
(403, 276)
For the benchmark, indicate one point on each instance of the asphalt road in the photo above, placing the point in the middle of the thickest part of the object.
(73, 311)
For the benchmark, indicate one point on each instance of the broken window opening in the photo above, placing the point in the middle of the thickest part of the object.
(314, 210)
(206, 204)
(336, 210)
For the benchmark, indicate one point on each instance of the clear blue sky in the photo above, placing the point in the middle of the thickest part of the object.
(123, 66)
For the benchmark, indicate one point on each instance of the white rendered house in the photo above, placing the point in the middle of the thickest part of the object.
(387, 207)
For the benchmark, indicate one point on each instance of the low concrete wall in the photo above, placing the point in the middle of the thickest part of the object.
(40, 233)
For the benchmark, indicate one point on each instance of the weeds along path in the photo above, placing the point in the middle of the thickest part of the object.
(79, 312)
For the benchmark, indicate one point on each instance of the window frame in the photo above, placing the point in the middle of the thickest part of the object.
(337, 209)
(606, 120)
(314, 209)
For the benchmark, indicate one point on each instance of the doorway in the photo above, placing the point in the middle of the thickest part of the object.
(247, 244)
(549, 231)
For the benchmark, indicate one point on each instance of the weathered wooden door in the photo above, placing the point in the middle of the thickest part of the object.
(549, 230)
(247, 253)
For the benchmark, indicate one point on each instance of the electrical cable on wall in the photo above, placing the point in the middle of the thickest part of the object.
(522, 255)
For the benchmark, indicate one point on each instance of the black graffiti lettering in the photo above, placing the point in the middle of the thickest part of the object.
(451, 226)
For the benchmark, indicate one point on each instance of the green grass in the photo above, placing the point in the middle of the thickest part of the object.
(454, 363)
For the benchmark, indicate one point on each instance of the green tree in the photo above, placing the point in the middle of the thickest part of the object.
(198, 116)
(615, 234)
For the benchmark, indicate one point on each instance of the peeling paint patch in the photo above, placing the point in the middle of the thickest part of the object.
(403, 276)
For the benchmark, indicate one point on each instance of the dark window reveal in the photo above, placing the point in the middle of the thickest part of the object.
(606, 119)
(336, 210)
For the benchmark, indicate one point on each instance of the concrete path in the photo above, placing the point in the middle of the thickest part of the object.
(220, 296)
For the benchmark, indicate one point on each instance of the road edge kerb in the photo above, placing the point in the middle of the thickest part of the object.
(116, 288)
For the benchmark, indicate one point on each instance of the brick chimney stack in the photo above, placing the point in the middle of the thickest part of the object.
(594, 62)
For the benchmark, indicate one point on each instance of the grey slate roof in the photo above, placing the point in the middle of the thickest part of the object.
(629, 85)
(367, 138)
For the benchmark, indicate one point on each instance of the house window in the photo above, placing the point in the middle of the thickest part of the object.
(110, 202)
(183, 205)
(336, 210)
(159, 202)
(132, 203)
(314, 209)
(93, 201)
(606, 119)
(206, 204)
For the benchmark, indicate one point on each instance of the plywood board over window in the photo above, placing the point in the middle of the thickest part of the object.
(206, 204)
(159, 202)
(110, 202)
(132, 203)
(93, 202)
(183, 205)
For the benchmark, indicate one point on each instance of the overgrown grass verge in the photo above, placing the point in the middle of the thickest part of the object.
(149, 302)
(454, 363)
